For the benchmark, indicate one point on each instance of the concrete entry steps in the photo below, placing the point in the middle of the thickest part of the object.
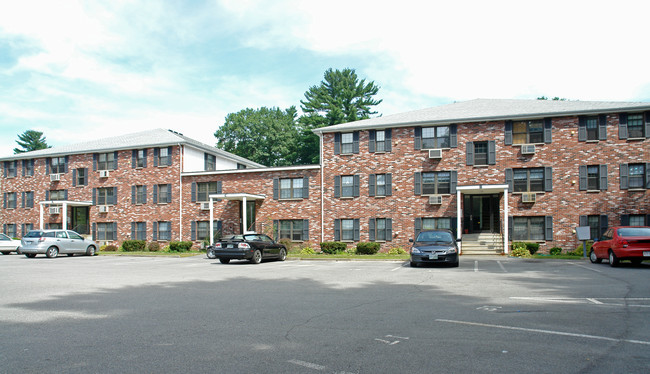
(482, 244)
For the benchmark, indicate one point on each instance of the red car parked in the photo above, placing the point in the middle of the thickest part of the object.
(622, 243)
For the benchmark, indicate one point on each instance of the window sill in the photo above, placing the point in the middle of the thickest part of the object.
(379, 196)
(523, 192)
(535, 144)
(636, 189)
(438, 194)
(292, 199)
(428, 149)
(636, 139)
(481, 166)
(593, 191)
(592, 141)
(347, 197)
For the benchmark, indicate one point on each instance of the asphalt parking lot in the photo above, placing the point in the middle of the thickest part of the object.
(111, 314)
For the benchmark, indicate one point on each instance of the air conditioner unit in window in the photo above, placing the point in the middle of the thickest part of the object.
(55, 210)
(205, 206)
(435, 199)
(528, 197)
(435, 153)
(528, 149)
(103, 209)
(103, 173)
(55, 177)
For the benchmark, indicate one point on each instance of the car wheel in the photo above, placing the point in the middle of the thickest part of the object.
(413, 264)
(613, 260)
(90, 251)
(593, 258)
(30, 255)
(5, 253)
(224, 260)
(283, 254)
(52, 252)
(211, 255)
(257, 257)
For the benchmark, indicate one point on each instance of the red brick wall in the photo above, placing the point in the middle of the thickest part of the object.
(268, 209)
(565, 203)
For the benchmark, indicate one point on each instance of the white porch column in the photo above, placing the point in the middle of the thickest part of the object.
(64, 208)
(505, 220)
(459, 231)
(244, 224)
(211, 222)
(40, 226)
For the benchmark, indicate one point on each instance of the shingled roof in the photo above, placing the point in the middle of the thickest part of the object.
(481, 110)
(139, 140)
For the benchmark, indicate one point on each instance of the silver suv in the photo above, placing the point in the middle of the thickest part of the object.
(53, 242)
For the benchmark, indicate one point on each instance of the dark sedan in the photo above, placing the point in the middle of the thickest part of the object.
(252, 247)
(434, 246)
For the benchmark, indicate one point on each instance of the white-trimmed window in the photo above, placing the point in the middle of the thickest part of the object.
(526, 132)
(106, 161)
(291, 188)
(436, 137)
(347, 142)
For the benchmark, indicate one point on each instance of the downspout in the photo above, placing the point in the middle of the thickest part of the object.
(322, 189)
(181, 151)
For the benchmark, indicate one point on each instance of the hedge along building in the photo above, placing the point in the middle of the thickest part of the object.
(491, 170)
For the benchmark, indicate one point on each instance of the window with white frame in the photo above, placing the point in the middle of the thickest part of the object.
(11, 200)
(164, 230)
(637, 174)
(291, 188)
(106, 161)
(347, 229)
(635, 126)
(528, 228)
(528, 180)
(436, 137)
(57, 165)
(435, 183)
(347, 142)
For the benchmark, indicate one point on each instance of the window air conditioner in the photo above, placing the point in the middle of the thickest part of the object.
(103, 173)
(435, 199)
(528, 149)
(528, 197)
(55, 210)
(55, 177)
(103, 209)
(205, 206)
(435, 153)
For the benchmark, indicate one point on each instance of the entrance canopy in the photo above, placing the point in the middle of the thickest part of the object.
(483, 189)
(63, 211)
(243, 197)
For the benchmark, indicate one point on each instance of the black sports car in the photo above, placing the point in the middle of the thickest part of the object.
(252, 247)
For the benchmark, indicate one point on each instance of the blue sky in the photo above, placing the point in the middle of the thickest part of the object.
(80, 70)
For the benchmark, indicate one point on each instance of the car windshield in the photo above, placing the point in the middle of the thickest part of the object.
(443, 237)
(234, 237)
(634, 231)
(34, 234)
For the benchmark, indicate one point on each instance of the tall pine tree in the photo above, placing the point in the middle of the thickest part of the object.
(31, 140)
(339, 98)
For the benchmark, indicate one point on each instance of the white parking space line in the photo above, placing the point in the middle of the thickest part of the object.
(605, 301)
(306, 364)
(476, 266)
(550, 332)
(585, 267)
(502, 267)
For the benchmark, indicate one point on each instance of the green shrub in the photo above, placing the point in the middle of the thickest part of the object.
(333, 247)
(578, 250)
(134, 245)
(555, 251)
(307, 251)
(519, 250)
(109, 248)
(531, 247)
(291, 246)
(396, 251)
(176, 246)
(153, 247)
(369, 248)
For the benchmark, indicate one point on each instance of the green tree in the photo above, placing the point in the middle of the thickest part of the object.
(31, 140)
(265, 135)
(339, 98)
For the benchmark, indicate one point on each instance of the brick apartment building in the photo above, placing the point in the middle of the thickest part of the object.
(493, 171)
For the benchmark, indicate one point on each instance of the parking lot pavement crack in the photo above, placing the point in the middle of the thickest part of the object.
(287, 335)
